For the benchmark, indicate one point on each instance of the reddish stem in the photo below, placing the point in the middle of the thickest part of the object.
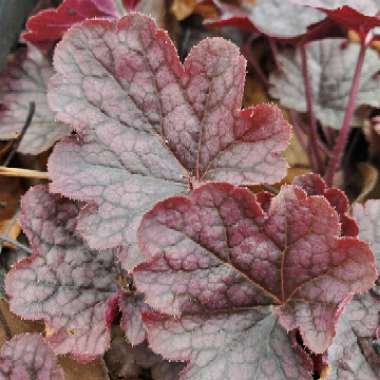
(247, 51)
(342, 139)
(313, 137)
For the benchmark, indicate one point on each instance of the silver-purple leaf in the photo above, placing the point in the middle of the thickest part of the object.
(247, 345)
(331, 69)
(352, 355)
(150, 127)
(28, 357)
(218, 251)
(23, 81)
(75, 290)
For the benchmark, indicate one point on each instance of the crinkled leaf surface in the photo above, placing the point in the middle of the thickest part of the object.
(313, 184)
(48, 26)
(151, 127)
(352, 355)
(219, 252)
(331, 69)
(275, 18)
(69, 286)
(28, 357)
(25, 80)
(249, 344)
(368, 218)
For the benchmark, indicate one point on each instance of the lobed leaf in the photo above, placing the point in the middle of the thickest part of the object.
(49, 25)
(353, 354)
(28, 357)
(150, 127)
(23, 81)
(274, 18)
(331, 70)
(368, 218)
(73, 289)
(220, 252)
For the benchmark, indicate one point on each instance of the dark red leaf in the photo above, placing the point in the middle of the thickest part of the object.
(359, 15)
(28, 357)
(275, 18)
(150, 127)
(49, 25)
(218, 252)
(313, 184)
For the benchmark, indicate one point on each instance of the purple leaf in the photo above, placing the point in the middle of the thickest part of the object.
(219, 252)
(246, 345)
(368, 218)
(28, 357)
(352, 355)
(150, 127)
(274, 18)
(331, 69)
(66, 284)
(23, 81)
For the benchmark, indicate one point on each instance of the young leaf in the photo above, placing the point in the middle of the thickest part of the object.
(353, 354)
(274, 18)
(73, 289)
(313, 184)
(23, 81)
(150, 127)
(219, 252)
(332, 67)
(368, 218)
(48, 26)
(248, 344)
(26, 357)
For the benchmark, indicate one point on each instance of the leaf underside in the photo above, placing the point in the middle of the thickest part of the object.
(331, 70)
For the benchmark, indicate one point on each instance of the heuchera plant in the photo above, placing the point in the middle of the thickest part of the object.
(148, 222)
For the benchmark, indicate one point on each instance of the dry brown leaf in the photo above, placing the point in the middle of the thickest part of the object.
(254, 92)
(10, 193)
(370, 176)
(296, 155)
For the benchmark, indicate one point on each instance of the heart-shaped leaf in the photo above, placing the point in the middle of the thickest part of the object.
(23, 81)
(150, 127)
(28, 357)
(331, 70)
(218, 252)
